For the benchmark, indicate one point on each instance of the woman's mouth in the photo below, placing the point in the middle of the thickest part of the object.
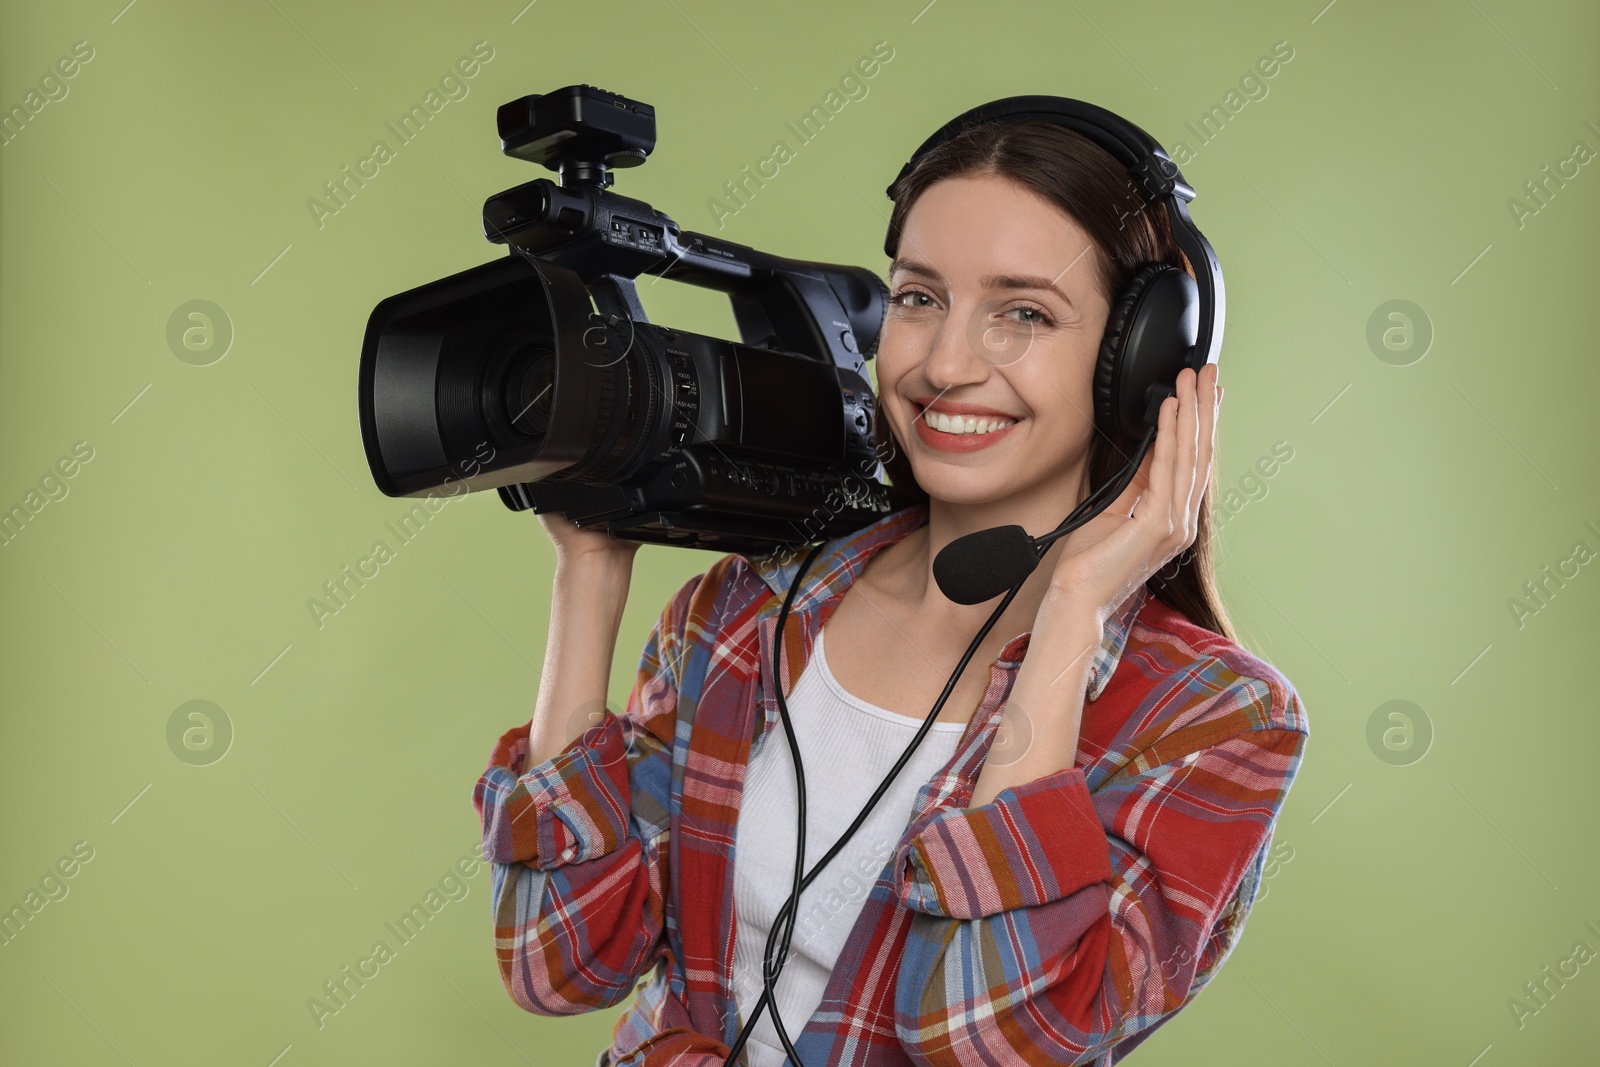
(960, 433)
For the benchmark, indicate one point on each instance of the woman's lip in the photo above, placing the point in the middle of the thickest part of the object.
(951, 407)
(953, 442)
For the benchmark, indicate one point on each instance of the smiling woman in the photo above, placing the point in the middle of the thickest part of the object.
(1024, 193)
(1072, 852)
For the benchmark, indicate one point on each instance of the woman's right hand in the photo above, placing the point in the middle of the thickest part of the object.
(574, 543)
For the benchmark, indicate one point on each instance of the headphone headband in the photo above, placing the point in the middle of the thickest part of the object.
(1154, 175)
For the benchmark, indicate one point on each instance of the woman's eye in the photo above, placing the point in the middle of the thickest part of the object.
(1040, 316)
(1042, 319)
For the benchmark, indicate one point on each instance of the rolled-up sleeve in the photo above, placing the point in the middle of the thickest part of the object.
(571, 808)
(580, 843)
(1054, 923)
(1033, 844)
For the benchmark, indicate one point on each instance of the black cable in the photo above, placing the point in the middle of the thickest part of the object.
(769, 977)
(783, 924)
(781, 932)
(1101, 498)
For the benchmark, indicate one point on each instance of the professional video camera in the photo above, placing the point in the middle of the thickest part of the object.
(656, 434)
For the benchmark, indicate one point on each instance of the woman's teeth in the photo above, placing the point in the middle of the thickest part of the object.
(959, 424)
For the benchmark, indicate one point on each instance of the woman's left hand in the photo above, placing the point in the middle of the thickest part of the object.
(1100, 566)
(1157, 515)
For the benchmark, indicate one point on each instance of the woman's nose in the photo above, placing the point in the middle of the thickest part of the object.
(969, 344)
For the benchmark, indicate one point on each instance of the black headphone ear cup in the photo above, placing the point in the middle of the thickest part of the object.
(1118, 326)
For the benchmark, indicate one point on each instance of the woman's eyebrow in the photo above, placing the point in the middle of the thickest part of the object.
(991, 281)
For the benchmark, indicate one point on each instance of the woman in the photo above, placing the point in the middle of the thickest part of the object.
(1073, 851)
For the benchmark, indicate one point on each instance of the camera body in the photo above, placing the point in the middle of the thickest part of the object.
(589, 409)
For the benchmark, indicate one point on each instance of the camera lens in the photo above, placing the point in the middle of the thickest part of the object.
(530, 391)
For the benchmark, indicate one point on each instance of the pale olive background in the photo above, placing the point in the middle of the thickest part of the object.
(1411, 898)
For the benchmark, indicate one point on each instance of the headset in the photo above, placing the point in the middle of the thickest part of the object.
(1161, 321)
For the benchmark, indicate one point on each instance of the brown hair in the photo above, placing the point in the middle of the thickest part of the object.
(1086, 182)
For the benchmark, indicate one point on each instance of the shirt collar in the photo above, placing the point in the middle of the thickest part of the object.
(843, 559)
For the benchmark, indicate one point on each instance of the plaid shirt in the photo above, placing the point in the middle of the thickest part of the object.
(1061, 923)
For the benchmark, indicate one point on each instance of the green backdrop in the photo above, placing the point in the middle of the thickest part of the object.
(1436, 855)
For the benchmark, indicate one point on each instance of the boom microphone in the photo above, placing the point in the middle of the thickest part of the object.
(982, 565)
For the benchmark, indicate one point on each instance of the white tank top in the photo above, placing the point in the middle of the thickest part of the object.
(848, 746)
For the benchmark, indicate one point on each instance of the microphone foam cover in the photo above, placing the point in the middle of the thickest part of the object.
(982, 565)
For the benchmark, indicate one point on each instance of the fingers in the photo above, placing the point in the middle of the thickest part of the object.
(1137, 488)
(1173, 477)
(1180, 461)
(1156, 507)
(1210, 411)
(1188, 452)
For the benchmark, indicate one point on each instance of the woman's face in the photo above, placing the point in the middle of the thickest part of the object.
(995, 313)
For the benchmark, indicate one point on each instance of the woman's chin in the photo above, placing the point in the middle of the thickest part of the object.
(965, 486)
